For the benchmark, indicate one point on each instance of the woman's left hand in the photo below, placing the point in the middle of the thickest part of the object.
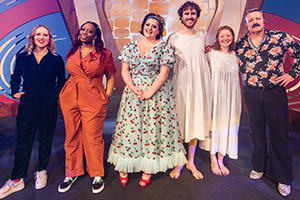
(147, 94)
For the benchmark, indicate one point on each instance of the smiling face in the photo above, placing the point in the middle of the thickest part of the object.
(189, 17)
(151, 28)
(41, 37)
(225, 38)
(87, 33)
(255, 22)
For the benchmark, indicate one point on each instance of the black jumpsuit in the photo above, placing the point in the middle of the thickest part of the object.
(38, 107)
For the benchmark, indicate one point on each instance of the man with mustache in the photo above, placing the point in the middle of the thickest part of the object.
(191, 82)
(261, 55)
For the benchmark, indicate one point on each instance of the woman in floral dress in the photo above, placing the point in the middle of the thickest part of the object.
(146, 136)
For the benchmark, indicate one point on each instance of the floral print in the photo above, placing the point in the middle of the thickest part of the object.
(146, 135)
(261, 68)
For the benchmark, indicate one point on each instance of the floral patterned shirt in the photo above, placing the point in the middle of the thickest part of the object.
(261, 68)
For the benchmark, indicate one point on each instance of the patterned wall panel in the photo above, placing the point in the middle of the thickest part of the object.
(125, 16)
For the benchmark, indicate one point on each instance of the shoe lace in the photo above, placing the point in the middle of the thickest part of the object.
(40, 176)
(97, 179)
(7, 185)
(67, 179)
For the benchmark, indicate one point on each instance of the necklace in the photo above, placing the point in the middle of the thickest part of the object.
(85, 53)
(39, 55)
(261, 41)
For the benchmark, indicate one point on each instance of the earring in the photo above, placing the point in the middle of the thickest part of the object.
(78, 38)
(94, 42)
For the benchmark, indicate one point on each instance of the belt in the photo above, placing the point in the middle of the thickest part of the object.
(264, 88)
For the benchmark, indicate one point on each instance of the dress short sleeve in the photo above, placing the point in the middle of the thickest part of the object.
(167, 55)
(109, 66)
(126, 52)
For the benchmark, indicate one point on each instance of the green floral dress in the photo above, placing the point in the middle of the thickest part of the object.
(146, 135)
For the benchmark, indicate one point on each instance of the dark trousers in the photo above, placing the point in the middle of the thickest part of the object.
(33, 117)
(270, 107)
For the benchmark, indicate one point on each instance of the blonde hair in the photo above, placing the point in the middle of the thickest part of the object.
(31, 45)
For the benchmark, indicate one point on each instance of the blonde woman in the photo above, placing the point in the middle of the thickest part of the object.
(43, 74)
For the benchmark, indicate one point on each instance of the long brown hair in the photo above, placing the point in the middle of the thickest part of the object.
(99, 45)
(216, 45)
(31, 45)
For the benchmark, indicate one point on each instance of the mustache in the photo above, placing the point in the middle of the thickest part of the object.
(190, 19)
(254, 25)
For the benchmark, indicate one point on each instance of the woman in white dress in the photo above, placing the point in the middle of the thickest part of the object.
(226, 101)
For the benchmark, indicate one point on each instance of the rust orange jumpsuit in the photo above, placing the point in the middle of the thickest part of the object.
(84, 103)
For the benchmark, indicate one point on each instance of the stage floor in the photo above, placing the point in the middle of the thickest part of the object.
(237, 185)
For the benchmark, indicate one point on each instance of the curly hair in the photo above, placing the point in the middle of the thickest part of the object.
(188, 5)
(31, 45)
(99, 44)
(161, 24)
(216, 45)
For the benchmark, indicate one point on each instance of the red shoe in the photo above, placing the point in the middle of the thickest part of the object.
(123, 180)
(145, 181)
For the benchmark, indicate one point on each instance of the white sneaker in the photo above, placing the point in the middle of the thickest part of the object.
(255, 175)
(10, 187)
(284, 189)
(40, 179)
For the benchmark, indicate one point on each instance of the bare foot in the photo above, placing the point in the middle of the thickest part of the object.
(215, 168)
(197, 174)
(225, 171)
(175, 173)
(123, 174)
